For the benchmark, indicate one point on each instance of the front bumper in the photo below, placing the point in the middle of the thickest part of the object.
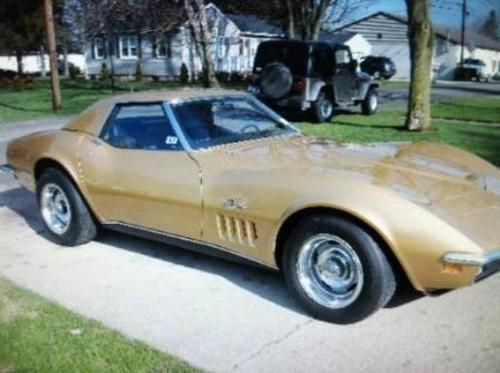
(488, 264)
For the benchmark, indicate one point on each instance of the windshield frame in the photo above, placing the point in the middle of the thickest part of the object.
(169, 109)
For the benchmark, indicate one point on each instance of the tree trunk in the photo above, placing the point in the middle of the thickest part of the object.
(290, 26)
(51, 44)
(202, 37)
(421, 49)
(19, 60)
(65, 61)
(43, 66)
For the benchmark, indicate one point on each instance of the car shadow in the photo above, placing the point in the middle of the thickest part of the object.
(264, 283)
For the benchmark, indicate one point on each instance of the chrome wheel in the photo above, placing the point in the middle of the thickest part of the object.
(326, 108)
(329, 271)
(373, 102)
(55, 208)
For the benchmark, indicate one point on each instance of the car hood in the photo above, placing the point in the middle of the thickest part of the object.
(456, 185)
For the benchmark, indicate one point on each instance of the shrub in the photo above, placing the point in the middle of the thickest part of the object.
(184, 76)
(74, 71)
(29, 83)
(17, 83)
(138, 73)
(105, 75)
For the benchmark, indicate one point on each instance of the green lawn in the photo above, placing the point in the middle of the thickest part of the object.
(467, 109)
(40, 336)
(76, 96)
(481, 139)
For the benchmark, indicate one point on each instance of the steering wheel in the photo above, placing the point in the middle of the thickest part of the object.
(249, 127)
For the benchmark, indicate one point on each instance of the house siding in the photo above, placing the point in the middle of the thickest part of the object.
(389, 37)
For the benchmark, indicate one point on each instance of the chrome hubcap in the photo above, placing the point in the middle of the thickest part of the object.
(326, 108)
(373, 102)
(329, 271)
(55, 208)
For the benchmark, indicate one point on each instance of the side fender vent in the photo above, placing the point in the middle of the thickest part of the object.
(237, 230)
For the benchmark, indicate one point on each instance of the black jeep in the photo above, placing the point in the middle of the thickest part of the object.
(314, 76)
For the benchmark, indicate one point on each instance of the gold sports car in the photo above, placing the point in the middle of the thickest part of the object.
(218, 171)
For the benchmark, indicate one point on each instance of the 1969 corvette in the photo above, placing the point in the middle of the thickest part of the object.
(219, 171)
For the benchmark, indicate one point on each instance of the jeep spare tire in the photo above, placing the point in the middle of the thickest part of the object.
(275, 80)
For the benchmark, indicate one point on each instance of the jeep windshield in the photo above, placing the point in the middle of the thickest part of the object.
(292, 54)
(210, 122)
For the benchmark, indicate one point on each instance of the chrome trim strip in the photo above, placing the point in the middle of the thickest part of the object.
(7, 169)
(471, 259)
(188, 240)
(176, 126)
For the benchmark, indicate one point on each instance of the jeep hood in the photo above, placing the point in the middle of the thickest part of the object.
(457, 186)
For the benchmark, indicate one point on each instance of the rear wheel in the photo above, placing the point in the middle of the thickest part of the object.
(64, 213)
(336, 269)
(323, 108)
(370, 104)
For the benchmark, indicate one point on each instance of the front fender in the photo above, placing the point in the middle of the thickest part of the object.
(417, 238)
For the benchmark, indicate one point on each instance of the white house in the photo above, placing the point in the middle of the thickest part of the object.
(234, 45)
(357, 43)
(32, 63)
(388, 35)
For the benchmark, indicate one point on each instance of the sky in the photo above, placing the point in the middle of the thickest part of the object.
(444, 12)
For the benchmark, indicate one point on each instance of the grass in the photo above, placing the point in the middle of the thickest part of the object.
(40, 336)
(76, 96)
(467, 109)
(481, 139)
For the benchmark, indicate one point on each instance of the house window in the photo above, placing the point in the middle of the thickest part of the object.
(128, 47)
(99, 48)
(163, 48)
(380, 36)
(242, 47)
(221, 47)
(235, 63)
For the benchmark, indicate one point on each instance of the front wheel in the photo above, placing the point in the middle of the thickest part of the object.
(336, 270)
(64, 213)
(323, 108)
(370, 104)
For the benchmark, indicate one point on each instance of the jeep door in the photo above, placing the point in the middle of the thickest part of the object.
(344, 78)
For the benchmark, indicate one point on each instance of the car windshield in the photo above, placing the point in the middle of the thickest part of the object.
(217, 121)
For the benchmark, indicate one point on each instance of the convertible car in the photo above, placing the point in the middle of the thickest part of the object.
(220, 172)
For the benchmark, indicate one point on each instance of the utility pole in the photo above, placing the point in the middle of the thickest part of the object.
(464, 16)
(51, 44)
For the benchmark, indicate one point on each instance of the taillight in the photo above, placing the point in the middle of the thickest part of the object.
(299, 86)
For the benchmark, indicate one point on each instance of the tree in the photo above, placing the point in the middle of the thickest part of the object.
(51, 43)
(420, 36)
(21, 27)
(299, 19)
(202, 35)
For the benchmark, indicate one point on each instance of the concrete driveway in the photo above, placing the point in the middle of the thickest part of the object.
(224, 317)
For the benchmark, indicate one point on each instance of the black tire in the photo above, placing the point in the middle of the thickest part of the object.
(378, 285)
(367, 107)
(320, 115)
(82, 227)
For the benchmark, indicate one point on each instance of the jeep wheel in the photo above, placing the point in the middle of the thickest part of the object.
(369, 105)
(336, 270)
(322, 109)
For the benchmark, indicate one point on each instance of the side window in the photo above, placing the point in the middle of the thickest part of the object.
(342, 57)
(322, 61)
(140, 126)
